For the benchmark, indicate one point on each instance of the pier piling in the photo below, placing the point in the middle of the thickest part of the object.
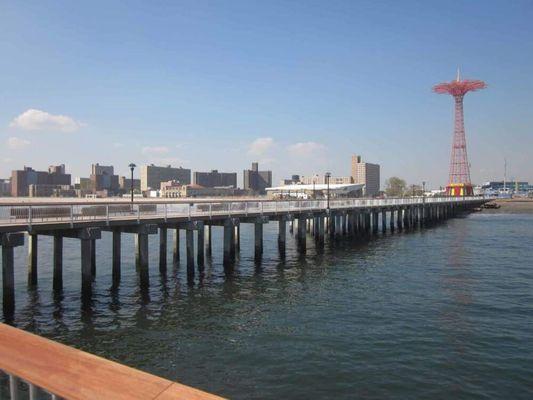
(32, 259)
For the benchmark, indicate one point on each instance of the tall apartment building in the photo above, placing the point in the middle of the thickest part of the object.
(256, 180)
(215, 179)
(22, 179)
(367, 174)
(152, 176)
(103, 178)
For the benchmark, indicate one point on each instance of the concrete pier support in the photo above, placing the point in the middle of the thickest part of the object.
(162, 249)
(316, 226)
(375, 222)
(238, 238)
(208, 240)
(141, 250)
(321, 231)
(383, 221)
(302, 239)
(189, 241)
(258, 239)
(58, 262)
(32, 259)
(282, 235)
(93, 258)
(332, 225)
(142, 256)
(399, 219)
(200, 250)
(406, 218)
(9, 241)
(176, 247)
(116, 255)
(344, 224)
(86, 236)
(391, 221)
(229, 241)
(86, 272)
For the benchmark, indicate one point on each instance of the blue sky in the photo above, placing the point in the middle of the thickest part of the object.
(297, 85)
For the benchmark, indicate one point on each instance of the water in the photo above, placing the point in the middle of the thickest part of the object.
(439, 313)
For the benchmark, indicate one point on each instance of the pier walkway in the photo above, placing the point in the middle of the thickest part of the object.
(309, 219)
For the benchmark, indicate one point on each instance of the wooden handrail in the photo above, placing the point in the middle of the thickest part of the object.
(77, 375)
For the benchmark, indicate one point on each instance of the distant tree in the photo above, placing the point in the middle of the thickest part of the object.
(395, 187)
(414, 190)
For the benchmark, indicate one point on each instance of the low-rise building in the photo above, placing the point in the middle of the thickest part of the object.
(174, 189)
(46, 190)
(125, 184)
(215, 179)
(322, 179)
(5, 187)
(316, 191)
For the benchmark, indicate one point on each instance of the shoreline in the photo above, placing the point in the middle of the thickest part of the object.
(511, 206)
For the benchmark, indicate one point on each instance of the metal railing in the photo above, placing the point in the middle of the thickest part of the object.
(64, 212)
(41, 368)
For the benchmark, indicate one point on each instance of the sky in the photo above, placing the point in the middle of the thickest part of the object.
(298, 86)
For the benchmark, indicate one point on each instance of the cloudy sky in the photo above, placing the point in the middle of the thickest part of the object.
(296, 85)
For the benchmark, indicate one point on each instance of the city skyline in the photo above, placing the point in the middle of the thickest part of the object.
(142, 89)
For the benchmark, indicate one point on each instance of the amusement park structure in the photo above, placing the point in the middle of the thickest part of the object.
(459, 183)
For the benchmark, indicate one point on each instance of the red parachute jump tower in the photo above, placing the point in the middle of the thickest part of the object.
(459, 181)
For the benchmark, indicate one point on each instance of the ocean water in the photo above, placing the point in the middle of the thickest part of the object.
(445, 312)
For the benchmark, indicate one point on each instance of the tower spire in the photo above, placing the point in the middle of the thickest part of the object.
(459, 183)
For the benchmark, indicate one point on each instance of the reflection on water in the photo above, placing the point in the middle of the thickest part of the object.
(433, 313)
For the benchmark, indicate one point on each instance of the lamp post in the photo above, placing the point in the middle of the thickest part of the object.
(327, 176)
(132, 167)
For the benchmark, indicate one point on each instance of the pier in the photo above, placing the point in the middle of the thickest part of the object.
(316, 220)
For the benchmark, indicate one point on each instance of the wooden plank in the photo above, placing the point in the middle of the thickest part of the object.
(77, 375)
(178, 391)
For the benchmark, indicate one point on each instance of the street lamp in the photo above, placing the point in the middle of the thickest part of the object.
(327, 176)
(132, 167)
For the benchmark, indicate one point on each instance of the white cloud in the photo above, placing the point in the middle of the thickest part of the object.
(37, 120)
(15, 143)
(118, 145)
(305, 149)
(155, 150)
(260, 146)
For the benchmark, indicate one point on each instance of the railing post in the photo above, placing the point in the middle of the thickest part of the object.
(138, 213)
(107, 214)
(189, 211)
(71, 215)
(166, 212)
(246, 208)
(29, 215)
(13, 387)
(210, 210)
(262, 208)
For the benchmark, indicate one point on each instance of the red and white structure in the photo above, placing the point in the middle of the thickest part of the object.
(459, 183)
